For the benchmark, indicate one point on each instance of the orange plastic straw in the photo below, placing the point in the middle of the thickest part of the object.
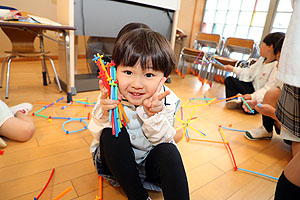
(226, 99)
(100, 187)
(123, 111)
(63, 193)
(61, 104)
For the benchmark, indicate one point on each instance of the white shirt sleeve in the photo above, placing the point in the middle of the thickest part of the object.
(248, 74)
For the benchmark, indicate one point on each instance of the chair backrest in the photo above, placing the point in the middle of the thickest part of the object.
(207, 39)
(238, 45)
(21, 40)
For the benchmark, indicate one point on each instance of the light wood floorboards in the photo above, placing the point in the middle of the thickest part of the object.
(26, 167)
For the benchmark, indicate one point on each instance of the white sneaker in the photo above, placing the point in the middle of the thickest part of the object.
(259, 134)
(24, 108)
(2, 143)
(233, 104)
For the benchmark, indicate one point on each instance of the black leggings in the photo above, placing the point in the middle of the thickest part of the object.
(268, 123)
(163, 167)
(234, 86)
(286, 190)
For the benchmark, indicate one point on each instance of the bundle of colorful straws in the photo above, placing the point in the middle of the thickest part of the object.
(107, 73)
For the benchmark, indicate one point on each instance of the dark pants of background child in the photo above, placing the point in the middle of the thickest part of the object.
(268, 123)
(163, 166)
(234, 86)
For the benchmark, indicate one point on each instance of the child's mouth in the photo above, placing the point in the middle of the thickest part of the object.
(136, 94)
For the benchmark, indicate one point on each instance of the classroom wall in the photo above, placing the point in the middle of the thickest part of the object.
(47, 9)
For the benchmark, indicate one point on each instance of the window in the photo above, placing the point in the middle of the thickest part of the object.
(245, 18)
(282, 16)
(235, 18)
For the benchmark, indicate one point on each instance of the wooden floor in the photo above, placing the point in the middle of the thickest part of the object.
(26, 167)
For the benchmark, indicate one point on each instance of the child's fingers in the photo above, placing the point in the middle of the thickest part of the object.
(163, 95)
(109, 107)
(161, 83)
(103, 90)
(101, 85)
(147, 103)
(108, 104)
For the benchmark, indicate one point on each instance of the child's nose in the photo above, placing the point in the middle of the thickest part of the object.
(137, 82)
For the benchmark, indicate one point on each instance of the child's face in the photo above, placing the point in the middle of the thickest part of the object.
(136, 84)
(265, 49)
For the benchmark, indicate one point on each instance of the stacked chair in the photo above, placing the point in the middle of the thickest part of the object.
(209, 65)
(197, 56)
(232, 44)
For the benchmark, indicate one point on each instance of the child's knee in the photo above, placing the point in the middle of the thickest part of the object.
(27, 132)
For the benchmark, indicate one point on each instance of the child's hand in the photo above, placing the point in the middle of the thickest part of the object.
(106, 104)
(266, 109)
(229, 68)
(154, 104)
(251, 103)
(247, 97)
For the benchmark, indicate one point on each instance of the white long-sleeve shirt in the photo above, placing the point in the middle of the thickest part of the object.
(262, 76)
(288, 69)
(144, 132)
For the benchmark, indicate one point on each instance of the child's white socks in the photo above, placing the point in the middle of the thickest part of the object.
(24, 108)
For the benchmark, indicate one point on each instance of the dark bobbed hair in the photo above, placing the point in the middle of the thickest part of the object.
(129, 27)
(273, 38)
(278, 46)
(146, 47)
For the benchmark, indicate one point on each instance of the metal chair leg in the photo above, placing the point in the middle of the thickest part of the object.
(7, 75)
(54, 70)
(2, 72)
(180, 63)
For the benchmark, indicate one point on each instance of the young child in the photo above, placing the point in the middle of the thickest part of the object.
(14, 124)
(267, 109)
(254, 81)
(144, 155)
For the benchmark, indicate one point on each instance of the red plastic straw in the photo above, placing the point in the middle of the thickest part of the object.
(46, 184)
(235, 167)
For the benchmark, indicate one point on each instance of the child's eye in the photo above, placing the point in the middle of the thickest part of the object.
(127, 72)
(149, 75)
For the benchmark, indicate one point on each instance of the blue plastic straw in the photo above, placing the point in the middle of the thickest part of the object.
(187, 134)
(233, 129)
(259, 105)
(219, 63)
(252, 111)
(246, 170)
(60, 117)
(67, 132)
(86, 103)
(59, 99)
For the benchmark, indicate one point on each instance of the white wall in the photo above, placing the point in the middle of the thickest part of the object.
(42, 8)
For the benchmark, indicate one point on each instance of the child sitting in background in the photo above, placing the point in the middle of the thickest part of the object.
(267, 109)
(254, 81)
(144, 155)
(14, 123)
